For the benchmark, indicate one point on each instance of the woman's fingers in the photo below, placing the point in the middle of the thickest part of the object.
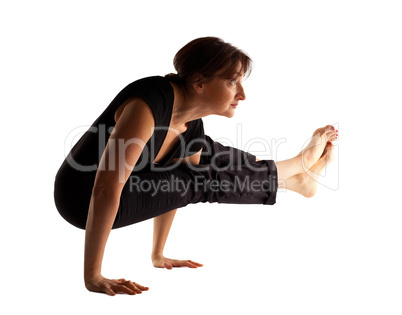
(190, 264)
(193, 264)
(110, 292)
(141, 287)
(186, 263)
(111, 287)
(180, 263)
(135, 287)
(123, 288)
(163, 262)
(196, 263)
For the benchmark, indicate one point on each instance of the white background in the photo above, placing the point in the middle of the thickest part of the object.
(315, 63)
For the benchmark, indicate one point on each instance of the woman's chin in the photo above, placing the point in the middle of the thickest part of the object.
(229, 113)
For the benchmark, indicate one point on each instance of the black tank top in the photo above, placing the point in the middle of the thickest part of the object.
(157, 92)
(76, 175)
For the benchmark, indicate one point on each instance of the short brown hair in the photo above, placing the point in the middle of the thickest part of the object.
(206, 56)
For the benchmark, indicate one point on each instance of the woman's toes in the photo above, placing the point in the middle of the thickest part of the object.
(329, 128)
(332, 136)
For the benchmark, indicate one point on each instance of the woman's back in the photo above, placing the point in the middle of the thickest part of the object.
(75, 179)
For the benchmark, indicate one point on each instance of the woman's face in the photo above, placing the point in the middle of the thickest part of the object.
(221, 96)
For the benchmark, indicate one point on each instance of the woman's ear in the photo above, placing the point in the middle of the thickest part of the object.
(198, 83)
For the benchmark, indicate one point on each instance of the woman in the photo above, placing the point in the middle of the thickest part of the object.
(146, 155)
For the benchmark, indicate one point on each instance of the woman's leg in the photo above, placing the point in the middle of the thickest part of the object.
(230, 176)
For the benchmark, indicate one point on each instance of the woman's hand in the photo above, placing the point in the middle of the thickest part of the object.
(111, 287)
(160, 261)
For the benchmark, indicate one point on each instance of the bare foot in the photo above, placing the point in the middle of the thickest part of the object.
(306, 183)
(314, 150)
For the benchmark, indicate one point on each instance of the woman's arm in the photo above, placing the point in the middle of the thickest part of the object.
(102, 212)
(125, 145)
(162, 225)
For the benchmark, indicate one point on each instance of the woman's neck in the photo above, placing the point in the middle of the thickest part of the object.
(186, 105)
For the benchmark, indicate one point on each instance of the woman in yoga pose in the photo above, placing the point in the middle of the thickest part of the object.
(147, 155)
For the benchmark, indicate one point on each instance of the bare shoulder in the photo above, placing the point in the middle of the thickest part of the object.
(133, 129)
(135, 104)
(134, 114)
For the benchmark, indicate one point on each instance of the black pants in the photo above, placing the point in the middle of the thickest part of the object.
(224, 175)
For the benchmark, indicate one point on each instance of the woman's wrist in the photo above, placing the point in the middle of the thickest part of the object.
(88, 276)
(156, 255)
(92, 280)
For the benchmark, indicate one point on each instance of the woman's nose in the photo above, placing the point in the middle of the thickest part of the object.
(240, 93)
